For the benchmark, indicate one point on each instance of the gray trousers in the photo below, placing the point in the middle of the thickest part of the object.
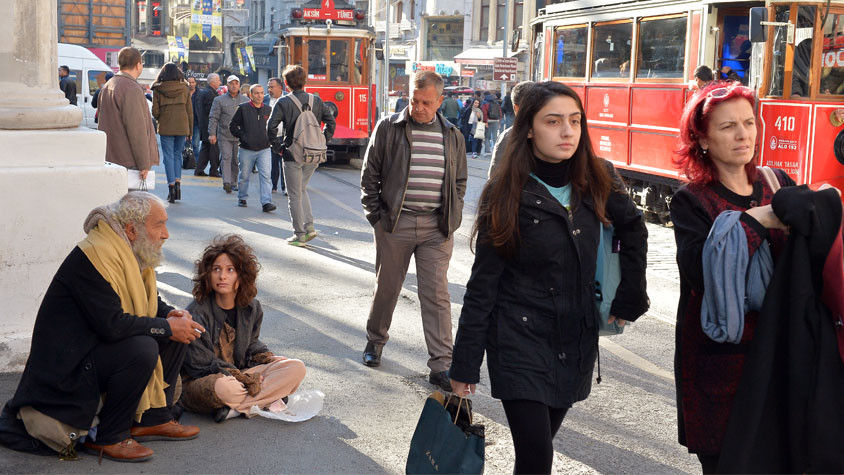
(228, 160)
(296, 178)
(418, 236)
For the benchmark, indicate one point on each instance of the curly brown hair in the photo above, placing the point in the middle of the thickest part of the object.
(245, 263)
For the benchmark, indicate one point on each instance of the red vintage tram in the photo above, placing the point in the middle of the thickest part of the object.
(633, 62)
(331, 43)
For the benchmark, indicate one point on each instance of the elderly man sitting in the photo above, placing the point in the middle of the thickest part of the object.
(90, 341)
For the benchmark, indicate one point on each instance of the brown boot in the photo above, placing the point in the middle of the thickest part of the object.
(168, 431)
(126, 451)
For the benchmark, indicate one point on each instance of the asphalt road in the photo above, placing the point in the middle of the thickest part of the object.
(316, 301)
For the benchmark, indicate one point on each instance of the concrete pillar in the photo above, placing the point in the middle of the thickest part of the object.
(52, 172)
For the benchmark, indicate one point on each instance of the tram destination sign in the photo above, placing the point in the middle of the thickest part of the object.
(327, 11)
(505, 69)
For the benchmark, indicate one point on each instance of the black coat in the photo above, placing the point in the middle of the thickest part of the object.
(534, 313)
(249, 125)
(80, 311)
(787, 415)
(202, 109)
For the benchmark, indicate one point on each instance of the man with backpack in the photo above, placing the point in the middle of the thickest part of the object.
(304, 147)
(491, 108)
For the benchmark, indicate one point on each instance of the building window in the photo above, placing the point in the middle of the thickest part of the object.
(398, 8)
(412, 10)
(500, 13)
(570, 52)
(662, 48)
(445, 38)
(518, 11)
(484, 20)
(611, 50)
(832, 68)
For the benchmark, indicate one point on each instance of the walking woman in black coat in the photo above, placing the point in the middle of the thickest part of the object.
(530, 301)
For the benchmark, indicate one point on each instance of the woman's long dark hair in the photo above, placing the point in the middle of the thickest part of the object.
(498, 211)
(170, 72)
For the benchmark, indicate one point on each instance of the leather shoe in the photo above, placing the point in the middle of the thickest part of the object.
(372, 355)
(168, 431)
(126, 451)
(227, 187)
(267, 207)
(200, 174)
(440, 379)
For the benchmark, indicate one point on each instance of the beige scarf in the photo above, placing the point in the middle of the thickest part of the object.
(113, 258)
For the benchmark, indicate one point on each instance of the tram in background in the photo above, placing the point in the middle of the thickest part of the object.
(633, 63)
(331, 42)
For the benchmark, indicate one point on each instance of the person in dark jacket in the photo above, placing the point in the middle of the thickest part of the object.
(208, 152)
(229, 369)
(173, 110)
(95, 99)
(530, 301)
(249, 125)
(718, 137)
(94, 335)
(412, 184)
(401, 102)
(194, 138)
(67, 84)
(297, 175)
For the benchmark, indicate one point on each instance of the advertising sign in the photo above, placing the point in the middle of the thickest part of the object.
(505, 69)
(177, 49)
(443, 68)
(246, 60)
(206, 20)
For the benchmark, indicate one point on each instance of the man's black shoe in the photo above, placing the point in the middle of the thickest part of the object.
(198, 173)
(241, 203)
(215, 175)
(440, 379)
(372, 355)
(268, 207)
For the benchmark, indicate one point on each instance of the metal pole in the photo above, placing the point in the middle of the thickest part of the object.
(504, 41)
(386, 94)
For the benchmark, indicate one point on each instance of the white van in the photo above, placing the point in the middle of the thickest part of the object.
(89, 73)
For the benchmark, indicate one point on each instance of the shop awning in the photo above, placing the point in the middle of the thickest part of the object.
(263, 43)
(480, 55)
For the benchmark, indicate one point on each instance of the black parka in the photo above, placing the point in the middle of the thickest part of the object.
(534, 313)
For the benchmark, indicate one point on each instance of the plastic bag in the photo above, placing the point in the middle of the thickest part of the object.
(301, 406)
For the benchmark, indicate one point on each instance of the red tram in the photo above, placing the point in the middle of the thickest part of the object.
(632, 63)
(331, 43)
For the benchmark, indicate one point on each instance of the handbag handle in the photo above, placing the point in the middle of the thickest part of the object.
(459, 404)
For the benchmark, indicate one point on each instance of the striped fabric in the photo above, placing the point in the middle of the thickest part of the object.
(427, 168)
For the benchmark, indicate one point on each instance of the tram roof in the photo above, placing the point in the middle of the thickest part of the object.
(323, 30)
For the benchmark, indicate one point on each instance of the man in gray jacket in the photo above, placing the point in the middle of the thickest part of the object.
(222, 111)
(412, 186)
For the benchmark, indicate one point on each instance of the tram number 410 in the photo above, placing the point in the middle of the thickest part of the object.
(785, 123)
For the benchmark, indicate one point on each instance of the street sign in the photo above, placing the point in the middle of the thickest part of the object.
(505, 69)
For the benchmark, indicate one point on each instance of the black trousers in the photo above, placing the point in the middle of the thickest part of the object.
(533, 426)
(123, 371)
(708, 463)
(277, 170)
(208, 152)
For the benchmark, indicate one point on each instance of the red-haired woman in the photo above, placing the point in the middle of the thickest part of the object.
(529, 302)
(228, 369)
(718, 139)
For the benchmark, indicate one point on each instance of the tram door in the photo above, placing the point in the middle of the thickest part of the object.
(733, 51)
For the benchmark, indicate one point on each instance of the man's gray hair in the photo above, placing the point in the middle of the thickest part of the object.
(519, 91)
(212, 76)
(134, 207)
(252, 88)
(423, 79)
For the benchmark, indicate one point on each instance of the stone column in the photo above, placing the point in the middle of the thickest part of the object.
(52, 172)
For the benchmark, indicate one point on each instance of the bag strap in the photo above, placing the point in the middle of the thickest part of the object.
(459, 404)
(296, 101)
(311, 102)
(770, 178)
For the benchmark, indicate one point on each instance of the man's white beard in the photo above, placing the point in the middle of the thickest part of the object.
(148, 252)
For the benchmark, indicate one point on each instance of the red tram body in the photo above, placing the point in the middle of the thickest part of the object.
(335, 50)
(633, 62)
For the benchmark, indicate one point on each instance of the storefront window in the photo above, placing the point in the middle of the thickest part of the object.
(445, 38)
(570, 52)
(778, 56)
(611, 53)
(317, 59)
(339, 60)
(662, 48)
(832, 57)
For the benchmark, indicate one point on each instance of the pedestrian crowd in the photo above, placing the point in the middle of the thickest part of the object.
(759, 362)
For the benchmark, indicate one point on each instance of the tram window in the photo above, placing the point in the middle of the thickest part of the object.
(662, 48)
(802, 64)
(360, 54)
(735, 49)
(832, 58)
(570, 52)
(778, 55)
(317, 60)
(611, 52)
(297, 51)
(339, 63)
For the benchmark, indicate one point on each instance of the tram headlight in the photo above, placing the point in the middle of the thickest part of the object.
(360, 15)
(296, 13)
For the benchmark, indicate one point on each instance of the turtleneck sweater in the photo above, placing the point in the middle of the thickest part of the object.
(552, 174)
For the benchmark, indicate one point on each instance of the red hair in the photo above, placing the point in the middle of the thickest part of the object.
(694, 125)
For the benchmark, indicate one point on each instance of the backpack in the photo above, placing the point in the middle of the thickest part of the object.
(308, 144)
(494, 111)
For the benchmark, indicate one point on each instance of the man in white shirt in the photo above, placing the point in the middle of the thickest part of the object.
(275, 89)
